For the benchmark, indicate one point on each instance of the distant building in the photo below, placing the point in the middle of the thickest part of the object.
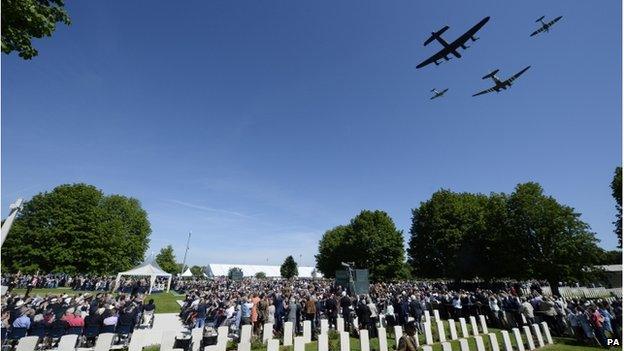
(221, 270)
(613, 274)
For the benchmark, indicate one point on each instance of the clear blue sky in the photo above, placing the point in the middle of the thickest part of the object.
(258, 125)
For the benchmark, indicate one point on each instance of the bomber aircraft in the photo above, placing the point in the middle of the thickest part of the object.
(451, 48)
(500, 84)
(437, 94)
(545, 26)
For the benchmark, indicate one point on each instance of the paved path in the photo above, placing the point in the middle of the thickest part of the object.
(163, 322)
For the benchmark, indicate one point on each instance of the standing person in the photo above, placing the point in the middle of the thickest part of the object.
(263, 311)
(246, 307)
(407, 342)
(332, 310)
(310, 311)
(200, 317)
(372, 325)
(345, 305)
(527, 310)
(278, 303)
(254, 313)
(596, 321)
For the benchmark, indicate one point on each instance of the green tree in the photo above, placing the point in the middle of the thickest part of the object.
(23, 20)
(611, 257)
(289, 268)
(197, 271)
(77, 229)
(166, 260)
(332, 250)
(370, 241)
(616, 191)
(260, 275)
(548, 240)
(234, 271)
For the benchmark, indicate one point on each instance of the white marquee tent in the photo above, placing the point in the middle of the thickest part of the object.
(187, 273)
(221, 270)
(146, 269)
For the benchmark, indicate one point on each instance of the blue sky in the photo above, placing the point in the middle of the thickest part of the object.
(258, 125)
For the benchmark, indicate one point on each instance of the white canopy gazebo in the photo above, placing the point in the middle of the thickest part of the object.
(149, 269)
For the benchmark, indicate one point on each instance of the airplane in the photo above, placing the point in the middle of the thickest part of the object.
(545, 26)
(451, 48)
(500, 84)
(437, 94)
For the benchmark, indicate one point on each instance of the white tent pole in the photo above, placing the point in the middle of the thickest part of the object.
(116, 286)
(169, 283)
(152, 280)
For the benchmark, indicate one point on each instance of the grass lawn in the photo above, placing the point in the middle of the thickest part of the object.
(165, 302)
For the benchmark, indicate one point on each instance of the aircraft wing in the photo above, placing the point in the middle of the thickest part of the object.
(440, 55)
(469, 34)
(485, 91)
(554, 21)
(515, 76)
(537, 31)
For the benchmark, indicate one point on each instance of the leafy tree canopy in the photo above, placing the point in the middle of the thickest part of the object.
(523, 235)
(370, 241)
(167, 261)
(289, 268)
(261, 275)
(616, 191)
(77, 229)
(197, 271)
(23, 20)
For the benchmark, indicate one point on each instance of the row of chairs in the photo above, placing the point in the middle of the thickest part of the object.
(104, 342)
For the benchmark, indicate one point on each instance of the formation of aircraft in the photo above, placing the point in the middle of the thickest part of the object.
(500, 84)
(453, 49)
(437, 94)
(545, 26)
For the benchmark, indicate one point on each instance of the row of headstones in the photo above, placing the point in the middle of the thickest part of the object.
(300, 341)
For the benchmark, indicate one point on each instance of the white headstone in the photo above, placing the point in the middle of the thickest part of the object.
(483, 324)
(428, 334)
(324, 326)
(506, 340)
(446, 346)
(344, 342)
(299, 344)
(518, 337)
(356, 322)
(398, 333)
(196, 337)
(427, 316)
(267, 332)
(453, 329)
(529, 336)
(245, 333)
(493, 342)
(479, 342)
(538, 335)
(214, 347)
(222, 338)
(463, 345)
(244, 346)
(340, 327)
(441, 333)
(436, 315)
(288, 334)
(427, 348)
(464, 328)
(473, 325)
(307, 331)
(383, 339)
(546, 332)
(323, 342)
(364, 341)
(273, 345)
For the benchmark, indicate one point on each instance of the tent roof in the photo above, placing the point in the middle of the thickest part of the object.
(216, 270)
(187, 273)
(147, 268)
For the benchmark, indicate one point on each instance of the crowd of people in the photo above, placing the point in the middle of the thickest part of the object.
(85, 314)
(255, 302)
(224, 302)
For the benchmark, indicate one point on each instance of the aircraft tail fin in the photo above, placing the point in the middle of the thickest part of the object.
(435, 35)
(539, 19)
(491, 74)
